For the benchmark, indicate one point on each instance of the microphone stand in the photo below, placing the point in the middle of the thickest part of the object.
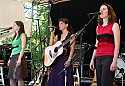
(80, 68)
(5, 31)
(122, 75)
(41, 44)
(81, 55)
(80, 32)
(121, 70)
(42, 41)
(65, 69)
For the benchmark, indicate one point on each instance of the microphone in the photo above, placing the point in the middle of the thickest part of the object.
(52, 28)
(6, 29)
(95, 13)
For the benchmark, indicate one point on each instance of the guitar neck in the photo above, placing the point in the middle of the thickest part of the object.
(64, 43)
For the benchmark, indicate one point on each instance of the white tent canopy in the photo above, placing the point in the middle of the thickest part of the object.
(10, 11)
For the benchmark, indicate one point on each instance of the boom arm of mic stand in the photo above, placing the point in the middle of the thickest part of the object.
(46, 37)
(66, 68)
(4, 32)
(82, 30)
(75, 36)
(44, 40)
(73, 61)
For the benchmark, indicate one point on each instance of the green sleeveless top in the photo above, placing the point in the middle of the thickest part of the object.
(17, 42)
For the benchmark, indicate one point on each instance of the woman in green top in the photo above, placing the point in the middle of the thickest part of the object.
(17, 64)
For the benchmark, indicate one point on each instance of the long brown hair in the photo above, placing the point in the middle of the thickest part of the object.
(66, 21)
(111, 13)
(21, 30)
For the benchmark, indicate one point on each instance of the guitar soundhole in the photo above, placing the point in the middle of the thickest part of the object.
(56, 50)
(50, 53)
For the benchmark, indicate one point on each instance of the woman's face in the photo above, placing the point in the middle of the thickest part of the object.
(15, 27)
(104, 11)
(62, 25)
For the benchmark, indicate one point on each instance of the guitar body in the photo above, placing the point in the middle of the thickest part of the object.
(38, 81)
(50, 56)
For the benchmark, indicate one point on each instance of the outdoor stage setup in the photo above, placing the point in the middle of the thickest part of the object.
(41, 15)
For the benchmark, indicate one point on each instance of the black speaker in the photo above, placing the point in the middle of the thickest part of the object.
(84, 69)
(27, 55)
(77, 52)
(87, 72)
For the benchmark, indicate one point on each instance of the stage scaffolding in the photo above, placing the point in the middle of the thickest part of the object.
(40, 16)
(39, 11)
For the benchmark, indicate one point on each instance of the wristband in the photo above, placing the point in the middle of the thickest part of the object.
(20, 57)
(92, 60)
(69, 59)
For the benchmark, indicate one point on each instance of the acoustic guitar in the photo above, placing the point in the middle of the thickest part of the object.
(41, 78)
(38, 82)
(52, 53)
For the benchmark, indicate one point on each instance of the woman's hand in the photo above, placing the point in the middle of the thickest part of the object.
(52, 29)
(18, 62)
(67, 63)
(113, 66)
(92, 66)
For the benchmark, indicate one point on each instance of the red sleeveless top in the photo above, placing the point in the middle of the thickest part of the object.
(105, 37)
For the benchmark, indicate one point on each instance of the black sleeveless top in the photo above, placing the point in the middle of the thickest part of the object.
(67, 45)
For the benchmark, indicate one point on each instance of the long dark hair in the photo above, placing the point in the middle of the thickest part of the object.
(66, 21)
(21, 30)
(111, 13)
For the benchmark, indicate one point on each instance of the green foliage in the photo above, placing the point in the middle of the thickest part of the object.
(34, 45)
(39, 31)
(6, 40)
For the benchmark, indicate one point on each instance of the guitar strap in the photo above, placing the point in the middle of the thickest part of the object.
(59, 36)
(66, 48)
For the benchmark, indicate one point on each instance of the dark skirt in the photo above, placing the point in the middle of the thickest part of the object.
(59, 80)
(21, 71)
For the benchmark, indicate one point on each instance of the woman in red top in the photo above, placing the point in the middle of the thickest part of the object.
(108, 44)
